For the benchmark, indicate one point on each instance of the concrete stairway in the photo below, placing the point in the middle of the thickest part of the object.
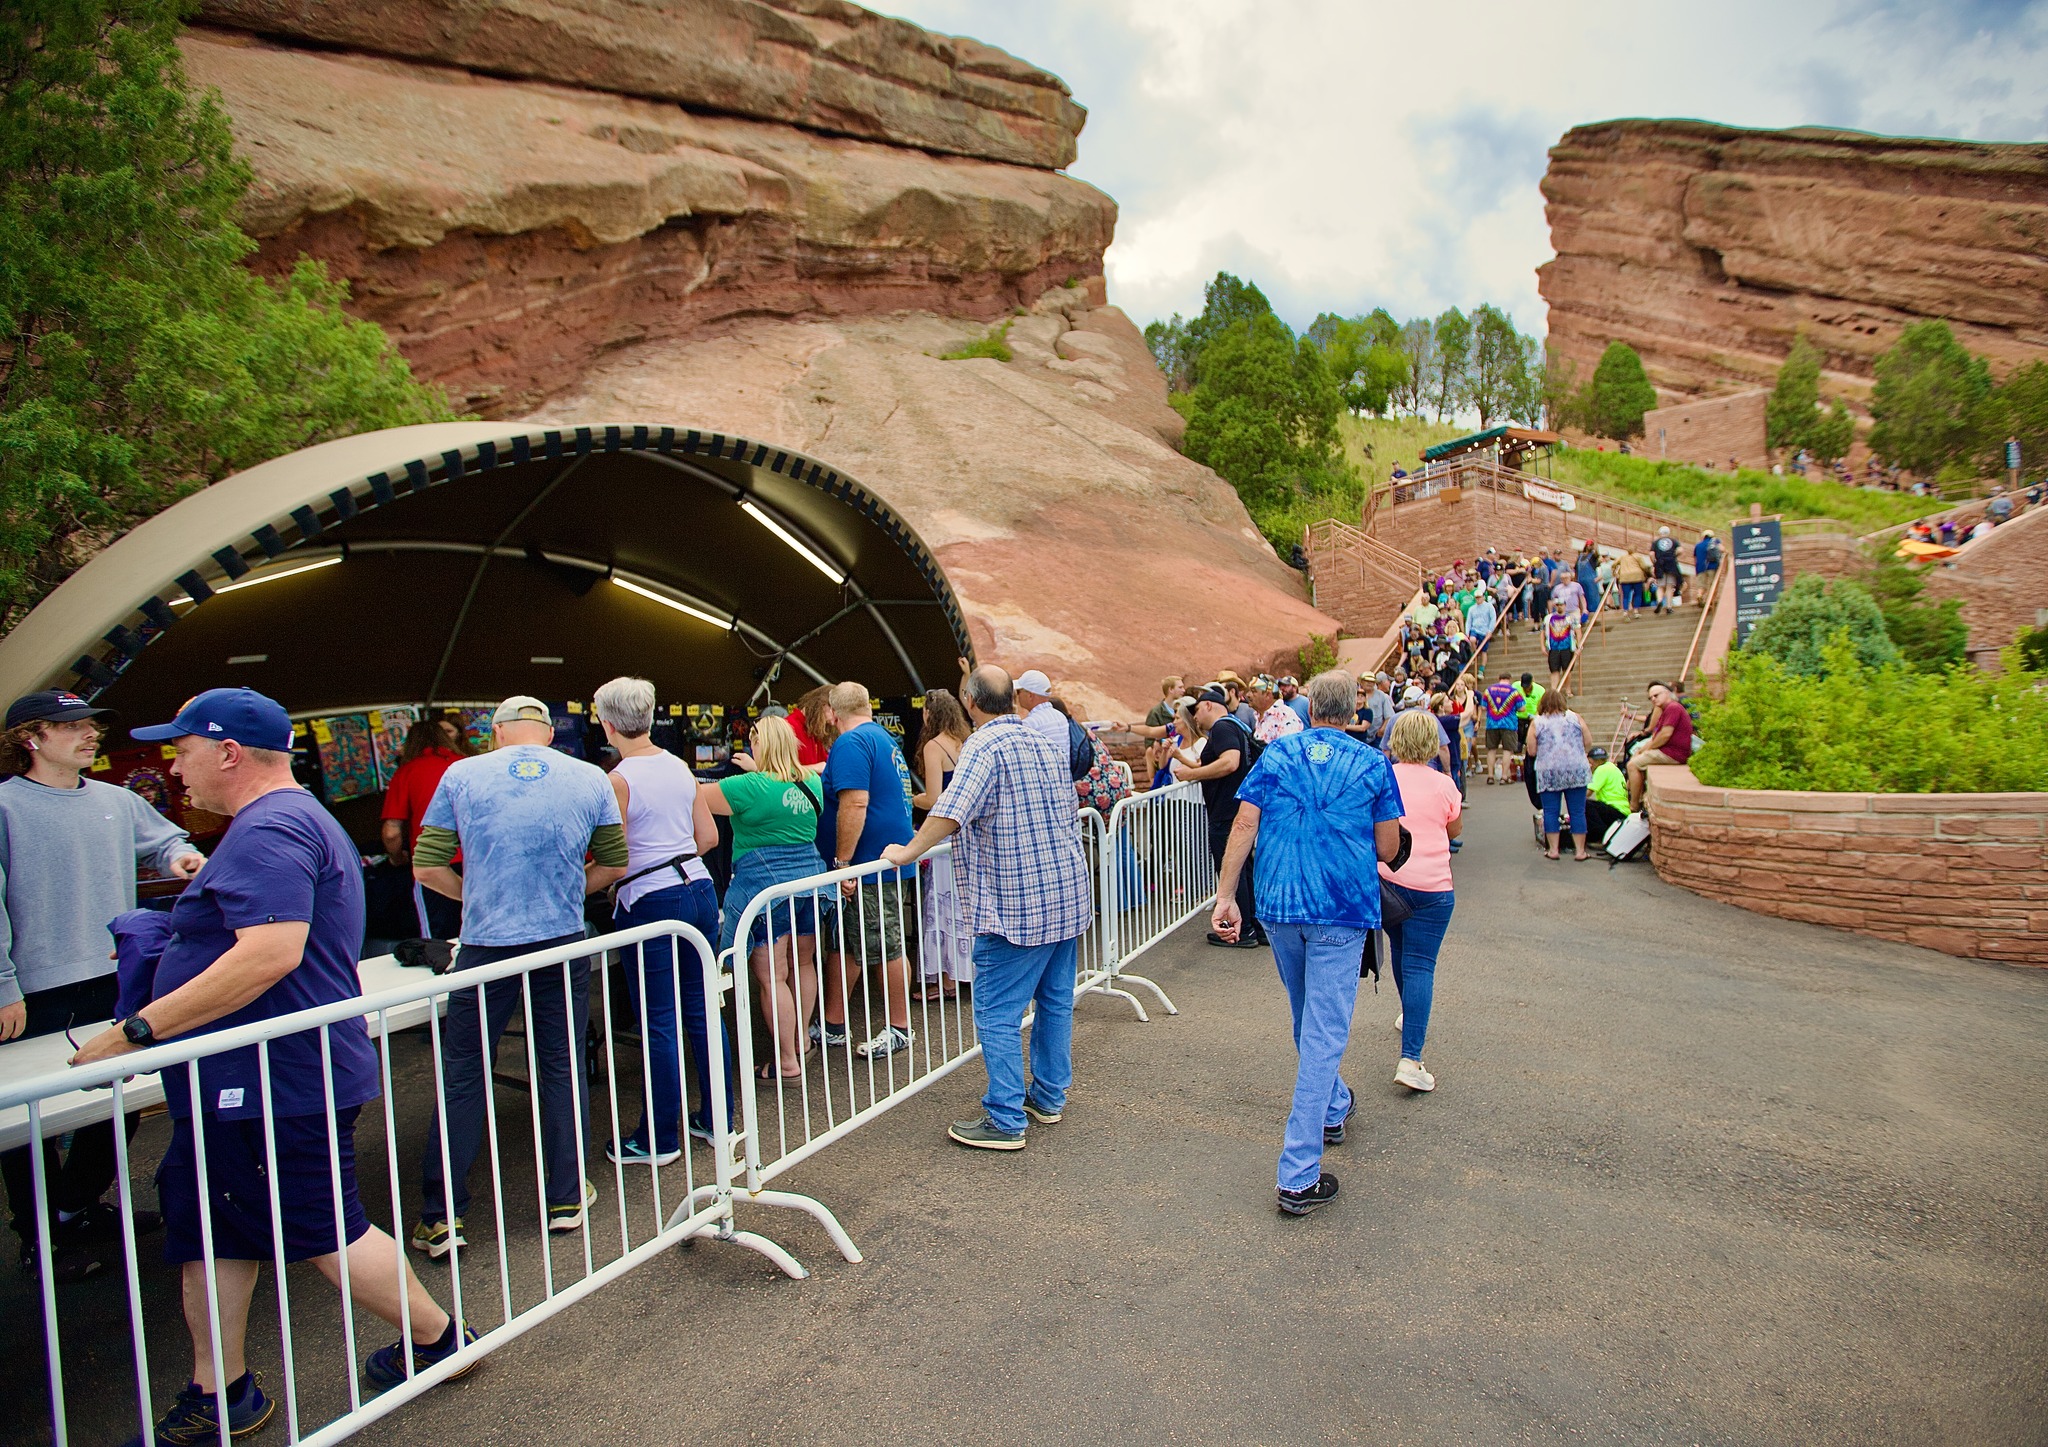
(1616, 666)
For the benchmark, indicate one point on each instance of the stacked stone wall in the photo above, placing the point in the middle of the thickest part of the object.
(1965, 874)
(1707, 434)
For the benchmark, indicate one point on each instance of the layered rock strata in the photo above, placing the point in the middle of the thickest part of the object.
(507, 233)
(1708, 248)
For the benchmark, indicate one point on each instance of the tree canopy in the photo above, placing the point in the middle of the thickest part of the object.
(1927, 398)
(1620, 393)
(143, 361)
(1264, 412)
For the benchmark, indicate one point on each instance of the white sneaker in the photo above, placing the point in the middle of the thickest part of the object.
(1399, 1016)
(1411, 1074)
(891, 1040)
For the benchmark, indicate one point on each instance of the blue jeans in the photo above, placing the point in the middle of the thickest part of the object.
(1319, 966)
(1574, 801)
(469, 1045)
(1007, 979)
(1412, 945)
(654, 988)
(1631, 597)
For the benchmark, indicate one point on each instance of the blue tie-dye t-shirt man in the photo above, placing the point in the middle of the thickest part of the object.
(524, 815)
(1319, 794)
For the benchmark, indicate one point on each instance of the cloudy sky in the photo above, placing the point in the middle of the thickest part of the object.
(1347, 154)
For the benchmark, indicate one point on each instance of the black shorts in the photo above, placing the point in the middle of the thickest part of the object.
(239, 1185)
(1560, 659)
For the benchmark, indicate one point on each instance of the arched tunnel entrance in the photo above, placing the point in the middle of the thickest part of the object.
(454, 564)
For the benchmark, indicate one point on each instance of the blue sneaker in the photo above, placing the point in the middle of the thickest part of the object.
(386, 1366)
(630, 1152)
(192, 1420)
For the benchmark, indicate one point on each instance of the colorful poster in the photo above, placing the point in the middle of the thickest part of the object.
(348, 757)
(476, 728)
(388, 728)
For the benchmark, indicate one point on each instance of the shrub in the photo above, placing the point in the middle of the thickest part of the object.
(1619, 394)
(1931, 636)
(1889, 729)
(994, 344)
(1800, 632)
(1318, 655)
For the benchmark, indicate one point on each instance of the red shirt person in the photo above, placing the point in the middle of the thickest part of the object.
(1670, 741)
(431, 745)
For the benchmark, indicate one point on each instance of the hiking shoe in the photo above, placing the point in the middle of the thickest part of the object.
(1333, 1135)
(1041, 1114)
(891, 1039)
(385, 1367)
(1411, 1074)
(1300, 1203)
(702, 1130)
(826, 1033)
(192, 1419)
(983, 1135)
(438, 1238)
(570, 1217)
(630, 1152)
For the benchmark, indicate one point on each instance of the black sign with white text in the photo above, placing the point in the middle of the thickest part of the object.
(1757, 561)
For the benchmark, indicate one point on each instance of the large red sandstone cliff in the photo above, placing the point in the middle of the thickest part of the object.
(1707, 248)
(768, 216)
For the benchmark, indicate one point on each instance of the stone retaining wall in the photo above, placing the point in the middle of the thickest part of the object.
(1966, 874)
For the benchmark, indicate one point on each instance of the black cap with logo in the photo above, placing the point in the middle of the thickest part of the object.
(52, 705)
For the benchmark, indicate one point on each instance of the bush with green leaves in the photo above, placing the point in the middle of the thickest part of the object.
(1931, 637)
(1927, 399)
(142, 361)
(992, 344)
(1854, 728)
(1811, 614)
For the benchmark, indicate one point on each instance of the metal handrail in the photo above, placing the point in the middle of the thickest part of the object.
(1699, 632)
(1565, 684)
(1508, 480)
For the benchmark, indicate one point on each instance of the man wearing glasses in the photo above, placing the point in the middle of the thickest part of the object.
(69, 847)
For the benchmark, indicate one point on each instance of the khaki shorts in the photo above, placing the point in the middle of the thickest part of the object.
(867, 924)
(1501, 738)
(1644, 758)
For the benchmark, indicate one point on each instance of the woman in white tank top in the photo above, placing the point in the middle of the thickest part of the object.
(668, 827)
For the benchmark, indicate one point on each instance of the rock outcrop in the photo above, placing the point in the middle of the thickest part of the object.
(769, 218)
(1078, 539)
(1707, 248)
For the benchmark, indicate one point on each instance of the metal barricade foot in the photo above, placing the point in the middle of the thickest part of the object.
(1104, 987)
(817, 1211)
(1152, 985)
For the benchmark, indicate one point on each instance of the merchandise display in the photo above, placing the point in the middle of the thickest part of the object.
(388, 728)
(348, 757)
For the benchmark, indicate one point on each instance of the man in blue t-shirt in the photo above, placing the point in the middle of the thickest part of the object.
(867, 808)
(524, 816)
(277, 914)
(1323, 810)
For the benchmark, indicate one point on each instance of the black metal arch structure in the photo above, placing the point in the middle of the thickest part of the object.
(469, 561)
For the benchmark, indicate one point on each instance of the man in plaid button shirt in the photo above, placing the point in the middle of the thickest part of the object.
(1011, 812)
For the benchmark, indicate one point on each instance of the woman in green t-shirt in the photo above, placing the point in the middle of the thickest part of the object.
(774, 810)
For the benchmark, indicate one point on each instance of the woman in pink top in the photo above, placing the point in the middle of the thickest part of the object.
(1432, 808)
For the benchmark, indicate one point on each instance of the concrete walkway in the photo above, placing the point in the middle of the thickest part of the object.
(1690, 1175)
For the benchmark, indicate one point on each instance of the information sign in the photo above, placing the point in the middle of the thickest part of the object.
(1757, 563)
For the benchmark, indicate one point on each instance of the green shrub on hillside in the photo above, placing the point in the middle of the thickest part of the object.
(995, 344)
(1620, 393)
(1930, 636)
(1811, 616)
(1886, 730)
(1713, 498)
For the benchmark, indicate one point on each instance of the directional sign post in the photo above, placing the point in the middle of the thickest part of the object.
(1757, 557)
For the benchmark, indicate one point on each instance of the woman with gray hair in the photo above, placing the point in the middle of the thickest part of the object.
(668, 827)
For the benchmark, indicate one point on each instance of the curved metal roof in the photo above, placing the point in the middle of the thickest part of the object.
(473, 560)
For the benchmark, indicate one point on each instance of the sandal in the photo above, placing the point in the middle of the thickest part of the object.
(1548, 855)
(771, 1073)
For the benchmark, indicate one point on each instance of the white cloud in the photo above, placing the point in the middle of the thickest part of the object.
(1347, 155)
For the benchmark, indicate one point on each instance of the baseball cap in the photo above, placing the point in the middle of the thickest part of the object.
(52, 705)
(1287, 678)
(251, 719)
(1263, 684)
(1033, 680)
(1213, 693)
(1412, 696)
(1597, 754)
(521, 708)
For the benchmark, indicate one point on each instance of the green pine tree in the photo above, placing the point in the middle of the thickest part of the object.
(142, 361)
(1619, 394)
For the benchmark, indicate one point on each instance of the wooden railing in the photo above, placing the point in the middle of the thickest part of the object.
(1599, 620)
(1699, 631)
(1592, 508)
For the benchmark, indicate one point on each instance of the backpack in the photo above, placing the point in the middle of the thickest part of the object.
(1080, 750)
(1103, 784)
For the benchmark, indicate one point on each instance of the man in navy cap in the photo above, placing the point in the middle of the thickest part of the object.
(69, 848)
(272, 925)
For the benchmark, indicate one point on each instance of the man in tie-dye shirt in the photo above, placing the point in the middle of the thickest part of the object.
(1324, 810)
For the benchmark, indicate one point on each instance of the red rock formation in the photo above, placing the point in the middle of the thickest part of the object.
(1708, 248)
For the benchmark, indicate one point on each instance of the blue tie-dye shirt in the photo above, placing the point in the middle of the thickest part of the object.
(1319, 794)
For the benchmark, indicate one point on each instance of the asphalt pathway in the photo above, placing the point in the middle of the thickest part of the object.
(1690, 1175)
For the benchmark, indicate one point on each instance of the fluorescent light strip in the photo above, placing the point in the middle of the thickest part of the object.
(265, 578)
(803, 549)
(681, 607)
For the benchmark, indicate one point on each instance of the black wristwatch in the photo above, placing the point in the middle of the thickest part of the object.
(137, 1030)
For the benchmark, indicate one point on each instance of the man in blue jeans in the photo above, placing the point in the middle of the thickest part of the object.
(1324, 811)
(1024, 883)
(524, 816)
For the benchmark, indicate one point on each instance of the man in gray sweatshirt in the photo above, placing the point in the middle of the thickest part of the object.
(69, 847)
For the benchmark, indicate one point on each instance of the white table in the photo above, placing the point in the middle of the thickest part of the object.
(22, 1060)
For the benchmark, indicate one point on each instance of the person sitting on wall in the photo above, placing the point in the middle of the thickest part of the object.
(1670, 741)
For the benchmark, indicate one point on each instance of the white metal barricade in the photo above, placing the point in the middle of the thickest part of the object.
(509, 1268)
(1156, 874)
